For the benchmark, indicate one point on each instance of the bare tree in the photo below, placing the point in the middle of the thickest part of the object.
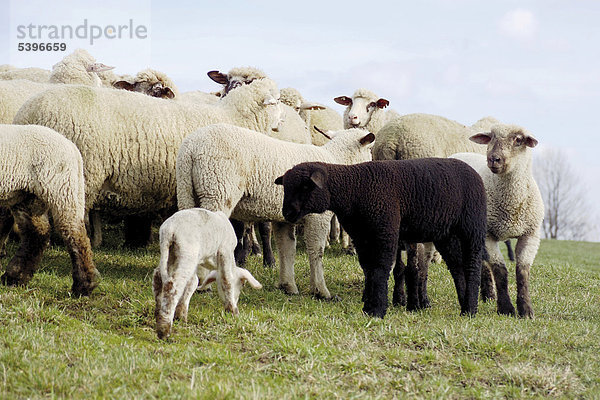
(568, 211)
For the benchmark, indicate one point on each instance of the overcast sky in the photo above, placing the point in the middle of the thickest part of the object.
(533, 63)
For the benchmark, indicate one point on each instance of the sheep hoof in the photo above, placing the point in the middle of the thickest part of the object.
(333, 298)
(525, 311)
(85, 287)
(10, 280)
(349, 251)
(506, 310)
(288, 288)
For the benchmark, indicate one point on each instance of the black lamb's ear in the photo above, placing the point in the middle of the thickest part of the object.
(318, 178)
(279, 181)
(218, 77)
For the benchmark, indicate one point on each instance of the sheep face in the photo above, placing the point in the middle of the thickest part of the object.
(359, 109)
(229, 285)
(305, 191)
(507, 146)
(150, 89)
(235, 78)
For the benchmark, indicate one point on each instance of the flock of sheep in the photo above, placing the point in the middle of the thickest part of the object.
(79, 141)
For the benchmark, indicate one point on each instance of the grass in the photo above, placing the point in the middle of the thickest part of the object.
(104, 346)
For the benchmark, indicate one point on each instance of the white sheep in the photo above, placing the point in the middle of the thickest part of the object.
(41, 171)
(236, 77)
(515, 208)
(129, 141)
(151, 82)
(232, 169)
(313, 114)
(79, 67)
(32, 74)
(365, 110)
(189, 239)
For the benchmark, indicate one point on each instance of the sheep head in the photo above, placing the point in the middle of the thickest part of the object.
(507, 146)
(230, 285)
(149, 82)
(236, 77)
(305, 191)
(360, 107)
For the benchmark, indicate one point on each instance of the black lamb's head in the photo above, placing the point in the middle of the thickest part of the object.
(305, 191)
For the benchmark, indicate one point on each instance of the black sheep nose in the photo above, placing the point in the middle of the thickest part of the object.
(494, 160)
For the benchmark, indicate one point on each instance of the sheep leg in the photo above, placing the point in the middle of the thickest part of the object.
(138, 231)
(181, 311)
(471, 268)
(316, 228)
(334, 230)
(6, 223)
(254, 246)
(399, 296)
(451, 250)
(95, 228)
(426, 256)
(526, 250)
(509, 250)
(487, 283)
(265, 229)
(241, 250)
(496, 261)
(285, 240)
(169, 294)
(34, 232)
(412, 278)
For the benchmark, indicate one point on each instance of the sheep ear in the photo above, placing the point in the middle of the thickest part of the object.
(382, 103)
(279, 181)
(321, 132)
(124, 85)
(311, 106)
(318, 178)
(218, 77)
(370, 138)
(343, 100)
(208, 279)
(98, 67)
(530, 141)
(246, 276)
(481, 138)
(168, 93)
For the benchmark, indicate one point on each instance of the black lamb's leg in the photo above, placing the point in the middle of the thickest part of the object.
(399, 296)
(509, 250)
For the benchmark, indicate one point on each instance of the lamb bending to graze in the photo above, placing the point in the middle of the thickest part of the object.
(226, 168)
(515, 209)
(381, 203)
(41, 171)
(365, 110)
(129, 141)
(188, 239)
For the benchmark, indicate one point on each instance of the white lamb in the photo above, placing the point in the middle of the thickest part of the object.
(189, 239)
(226, 168)
(79, 67)
(129, 141)
(41, 171)
(515, 208)
(365, 110)
(151, 82)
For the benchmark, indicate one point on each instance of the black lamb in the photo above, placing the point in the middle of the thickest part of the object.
(383, 203)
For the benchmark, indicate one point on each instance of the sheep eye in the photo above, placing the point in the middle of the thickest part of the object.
(518, 141)
(371, 105)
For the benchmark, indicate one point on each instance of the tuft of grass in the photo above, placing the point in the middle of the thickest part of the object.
(53, 345)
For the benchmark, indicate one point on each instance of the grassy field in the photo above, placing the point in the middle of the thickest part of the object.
(104, 346)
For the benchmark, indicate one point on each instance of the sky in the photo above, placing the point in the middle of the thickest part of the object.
(533, 63)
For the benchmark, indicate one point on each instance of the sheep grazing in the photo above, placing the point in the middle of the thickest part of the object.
(382, 203)
(31, 74)
(150, 82)
(515, 209)
(188, 239)
(129, 141)
(365, 110)
(41, 171)
(232, 169)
